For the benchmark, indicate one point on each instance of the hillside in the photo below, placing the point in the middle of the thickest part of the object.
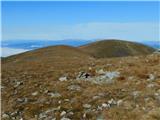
(64, 83)
(51, 52)
(115, 48)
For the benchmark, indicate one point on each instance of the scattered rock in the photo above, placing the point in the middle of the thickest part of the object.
(107, 78)
(108, 65)
(83, 75)
(65, 118)
(54, 94)
(105, 105)
(119, 102)
(87, 106)
(99, 108)
(35, 93)
(112, 75)
(64, 78)
(63, 113)
(74, 87)
(96, 97)
(22, 100)
(70, 113)
(100, 72)
(90, 68)
(2, 87)
(5, 116)
(157, 96)
(84, 115)
(135, 94)
(42, 116)
(112, 102)
(151, 77)
(130, 78)
(18, 84)
(150, 85)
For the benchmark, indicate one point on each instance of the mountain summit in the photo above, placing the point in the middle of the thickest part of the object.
(116, 48)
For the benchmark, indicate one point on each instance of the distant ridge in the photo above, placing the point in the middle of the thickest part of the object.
(116, 48)
(98, 49)
(59, 52)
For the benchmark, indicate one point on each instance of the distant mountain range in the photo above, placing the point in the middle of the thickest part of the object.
(34, 44)
(11, 47)
(154, 44)
(99, 49)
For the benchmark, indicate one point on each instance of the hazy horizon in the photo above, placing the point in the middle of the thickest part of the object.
(29, 25)
(137, 21)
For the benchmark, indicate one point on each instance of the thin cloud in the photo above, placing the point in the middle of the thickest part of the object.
(92, 30)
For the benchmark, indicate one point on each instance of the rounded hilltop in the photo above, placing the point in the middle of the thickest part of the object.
(116, 48)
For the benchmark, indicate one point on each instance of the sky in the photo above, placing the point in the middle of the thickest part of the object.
(136, 21)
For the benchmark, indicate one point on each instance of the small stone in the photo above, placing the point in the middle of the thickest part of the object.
(84, 115)
(112, 102)
(64, 78)
(83, 75)
(35, 93)
(63, 113)
(18, 84)
(74, 87)
(157, 96)
(104, 105)
(54, 95)
(2, 87)
(100, 72)
(87, 106)
(65, 118)
(99, 108)
(150, 85)
(71, 113)
(108, 64)
(22, 100)
(90, 68)
(95, 97)
(135, 94)
(119, 102)
(151, 77)
(59, 101)
(42, 115)
(158, 91)
(5, 116)
(15, 113)
(112, 75)
(130, 78)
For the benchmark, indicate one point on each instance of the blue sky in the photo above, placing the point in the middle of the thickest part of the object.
(80, 20)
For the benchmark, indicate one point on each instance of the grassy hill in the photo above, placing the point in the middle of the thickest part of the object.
(48, 61)
(49, 53)
(115, 48)
(31, 88)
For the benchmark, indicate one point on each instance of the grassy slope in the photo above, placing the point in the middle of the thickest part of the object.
(116, 48)
(40, 69)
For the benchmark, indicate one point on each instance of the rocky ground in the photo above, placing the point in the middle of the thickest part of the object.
(126, 88)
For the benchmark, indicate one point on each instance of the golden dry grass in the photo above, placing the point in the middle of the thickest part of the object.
(40, 73)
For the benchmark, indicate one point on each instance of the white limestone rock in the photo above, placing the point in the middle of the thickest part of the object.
(64, 78)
